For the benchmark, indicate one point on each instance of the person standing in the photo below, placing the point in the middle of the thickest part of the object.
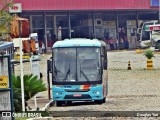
(43, 48)
(59, 33)
(116, 42)
(126, 43)
(111, 43)
(106, 36)
(121, 44)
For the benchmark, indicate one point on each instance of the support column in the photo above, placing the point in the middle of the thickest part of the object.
(69, 25)
(117, 25)
(31, 27)
(55, 26)
(159, 9)
(137, 19)
(93, 25)
(45, 31)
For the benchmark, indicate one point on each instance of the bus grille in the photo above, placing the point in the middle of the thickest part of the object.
(83, 96)
(77, 90)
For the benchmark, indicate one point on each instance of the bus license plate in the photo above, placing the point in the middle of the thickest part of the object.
(77, 95)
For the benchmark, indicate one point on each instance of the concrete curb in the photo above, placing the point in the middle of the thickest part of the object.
(47, 106)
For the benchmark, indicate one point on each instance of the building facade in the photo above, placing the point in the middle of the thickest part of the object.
(59, 19)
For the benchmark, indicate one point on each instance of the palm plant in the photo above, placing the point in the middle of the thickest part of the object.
(32, 85)
(17, 99)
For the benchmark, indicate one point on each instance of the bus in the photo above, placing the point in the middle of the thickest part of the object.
(148, 38)
(79, 71)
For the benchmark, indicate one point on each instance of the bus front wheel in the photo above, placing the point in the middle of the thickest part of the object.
(98, 101)
(69, 102)
(59, 103)
(158, 45)
(104, 100)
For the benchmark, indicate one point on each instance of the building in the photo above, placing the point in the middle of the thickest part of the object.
(59, 19)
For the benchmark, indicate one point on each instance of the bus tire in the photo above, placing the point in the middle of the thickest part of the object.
(104, 100)
(69, 102)
(58, 103)
(158, 45)
(99, 101)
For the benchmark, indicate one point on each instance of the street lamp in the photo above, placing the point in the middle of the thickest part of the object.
(159, 8)
(21, 60)
(21, 65)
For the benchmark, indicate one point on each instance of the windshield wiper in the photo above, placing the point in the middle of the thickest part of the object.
(84, 74)
(68, 72)
(55, 70)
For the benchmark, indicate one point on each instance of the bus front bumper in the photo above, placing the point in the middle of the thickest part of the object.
(94, 93)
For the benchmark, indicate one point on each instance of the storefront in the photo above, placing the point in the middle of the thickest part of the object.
(62, 19)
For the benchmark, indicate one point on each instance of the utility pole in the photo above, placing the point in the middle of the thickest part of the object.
(159, 8)
(21, 68)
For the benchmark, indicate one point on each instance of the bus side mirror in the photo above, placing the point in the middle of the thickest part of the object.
(105, 64)
(49, 66)
(139, 30)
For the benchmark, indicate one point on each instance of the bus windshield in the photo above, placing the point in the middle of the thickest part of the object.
(146, 34)
(77, 64)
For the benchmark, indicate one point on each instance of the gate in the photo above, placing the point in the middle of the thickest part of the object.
(6, 93)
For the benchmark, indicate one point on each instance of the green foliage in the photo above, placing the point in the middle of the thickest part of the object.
(5, 19)
(149, 54)
(17, 99)
(32, 85)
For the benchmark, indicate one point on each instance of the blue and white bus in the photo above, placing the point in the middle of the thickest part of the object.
(79, 71)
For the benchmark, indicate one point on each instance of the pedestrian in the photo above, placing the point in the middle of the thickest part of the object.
(116, 42)
(121, 44)
(106, 36)
(43, 48)
(111, 43)
(126, 43)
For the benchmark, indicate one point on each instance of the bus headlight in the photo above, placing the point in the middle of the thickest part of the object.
(96, 92)
(57, 85)
(58, 93)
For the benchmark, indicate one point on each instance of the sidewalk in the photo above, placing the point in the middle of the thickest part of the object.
(42, 102)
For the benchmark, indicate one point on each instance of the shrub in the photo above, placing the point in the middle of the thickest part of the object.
(149, 54)
(32, 85)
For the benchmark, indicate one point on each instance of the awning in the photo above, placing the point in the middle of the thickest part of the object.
(29, 5)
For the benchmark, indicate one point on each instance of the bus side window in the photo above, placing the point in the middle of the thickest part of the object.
(104, 50)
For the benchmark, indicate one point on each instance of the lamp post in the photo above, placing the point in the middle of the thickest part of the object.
(21, 65)
(159, 9)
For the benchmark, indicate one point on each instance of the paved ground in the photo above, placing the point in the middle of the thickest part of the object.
(129, 90)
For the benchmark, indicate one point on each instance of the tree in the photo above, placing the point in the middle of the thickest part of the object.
(5, 18)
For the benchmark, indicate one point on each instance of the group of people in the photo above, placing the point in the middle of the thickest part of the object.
(114, 43)
(119, 44)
